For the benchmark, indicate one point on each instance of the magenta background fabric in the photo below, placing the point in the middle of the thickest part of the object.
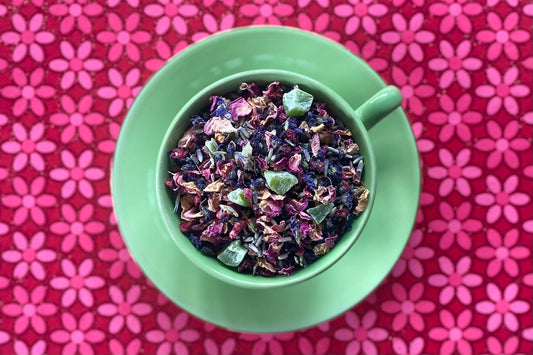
(70, 69)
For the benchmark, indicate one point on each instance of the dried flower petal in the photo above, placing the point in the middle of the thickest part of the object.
(239, 108)
(218, 125)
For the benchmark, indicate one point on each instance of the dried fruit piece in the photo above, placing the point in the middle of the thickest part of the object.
(233, 254)
(297, 102)
(237, 196)
(320, 212)
(280, 181)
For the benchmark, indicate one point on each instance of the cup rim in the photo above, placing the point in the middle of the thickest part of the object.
(219, 270)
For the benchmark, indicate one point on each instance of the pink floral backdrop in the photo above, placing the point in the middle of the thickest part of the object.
(70, 69)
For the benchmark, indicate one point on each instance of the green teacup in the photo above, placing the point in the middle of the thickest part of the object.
(358, 121)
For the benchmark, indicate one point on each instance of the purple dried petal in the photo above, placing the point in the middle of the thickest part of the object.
(187, 139)
(315, 144)
(191, 214)
(260, 163)
(299, 205)
(294, 163)
(270, 207)
(325, 195)
(237, 228)
(212, 233)
(281, 164)
(252, 89)
(218, 125)
(286, 270)
(273, 91)
(239, 108)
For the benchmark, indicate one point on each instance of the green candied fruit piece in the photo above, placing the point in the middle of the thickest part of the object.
(280, 181)
(233, 254)
(297, 102)
(247, 150)
(211, 145)
(320, 212)
(237, 196)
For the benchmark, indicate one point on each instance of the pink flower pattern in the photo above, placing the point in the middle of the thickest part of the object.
(226, 348)
(172, 334)
(412, 255)
(37, 348)
(408, 37)
(502, 307)
(360, 13)
(456, 334)
(455, 13)
(503, 36)
(322, 3)
(368, 52)
(503, 252)
(213, 26)
(123, 90)
(455, 280)
(414, 348)
(115, 3)
(77, 119)
(77, 174)
(116, 347)
(454, 172)
(266, 11)
(320, 25)
(423, 145)
(78, 228)
(124, 36)
(77, 336)
(76, 13)
(164, 53)
(503, 145)
(455, 118)
(408, 307)
(471, 89)
(76, 65)
(28, 148)
(361, 333)
(125, 309)
(502, 200)
(455, 225)
(171, 13)
(108, 145)
(28, 37)
(502, 91)
(77, 283)
(455, 65)
(412, 88)
(272, 342)
(495, 347)
(120, 258)
(29, 309)
(28, 93)
(29, 256)
(29, 201)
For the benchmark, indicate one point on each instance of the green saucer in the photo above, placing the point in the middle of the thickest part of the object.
(282, 309)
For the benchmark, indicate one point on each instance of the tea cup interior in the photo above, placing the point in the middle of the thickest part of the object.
(337, 108)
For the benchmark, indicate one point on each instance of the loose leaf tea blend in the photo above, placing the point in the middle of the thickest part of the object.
(266, 180)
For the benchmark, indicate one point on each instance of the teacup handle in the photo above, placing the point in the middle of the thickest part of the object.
(379, 106)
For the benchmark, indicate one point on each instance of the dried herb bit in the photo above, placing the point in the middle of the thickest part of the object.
(266, 180)
(280, 181)
(233, 254)
(320, 212)
(237, 197)
(297, 102)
